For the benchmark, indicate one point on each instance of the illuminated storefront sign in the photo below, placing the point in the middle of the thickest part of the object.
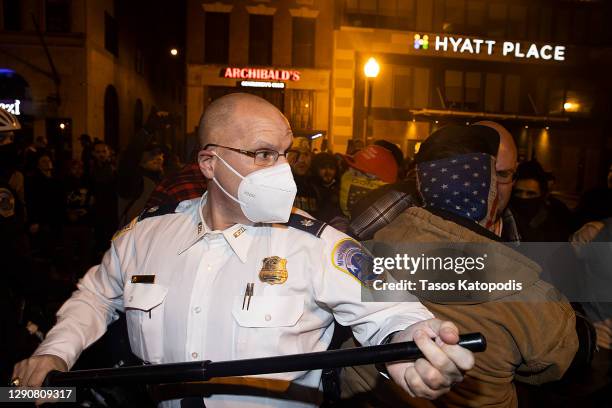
(262, 84)
(261, 74)
(11, 106)
(463, 45)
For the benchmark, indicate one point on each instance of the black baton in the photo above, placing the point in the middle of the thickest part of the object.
(206, 370)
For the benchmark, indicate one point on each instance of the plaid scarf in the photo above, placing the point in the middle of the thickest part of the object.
(464, 185)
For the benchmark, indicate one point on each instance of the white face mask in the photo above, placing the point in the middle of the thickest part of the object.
(265, 195)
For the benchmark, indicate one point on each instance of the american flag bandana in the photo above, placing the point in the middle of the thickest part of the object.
(465, 185)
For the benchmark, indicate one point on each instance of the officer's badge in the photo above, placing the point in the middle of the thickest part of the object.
(274, 270)
(307, 223)
(350, 257)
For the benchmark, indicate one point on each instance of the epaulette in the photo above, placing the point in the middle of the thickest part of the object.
(309, 225)
(157, 210)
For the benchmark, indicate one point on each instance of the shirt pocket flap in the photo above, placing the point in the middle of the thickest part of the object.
(143, 296)
(268, 311)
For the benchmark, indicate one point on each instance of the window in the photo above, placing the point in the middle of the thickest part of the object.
(301, 108)
(390, 14)
(496, 26)
(402, 87)
(111, 38)
(260, 39)
(596, 27)
(453, 87)
(216, 38)
(493, 92)
(57, 16)
(11, 10)
(512, 91)
(581, 21)
(533, 22)
(472, 90)
(476, 16)
(562, 23)
(421, 87)
(517, 22)
(462, 89)
(546, 17)
(303, 50)
(454, 16)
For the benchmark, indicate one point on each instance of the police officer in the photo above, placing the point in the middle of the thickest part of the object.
(221, 277)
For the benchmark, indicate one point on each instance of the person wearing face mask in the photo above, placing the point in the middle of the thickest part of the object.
(530, 330)
(538, 220)
(238, 273)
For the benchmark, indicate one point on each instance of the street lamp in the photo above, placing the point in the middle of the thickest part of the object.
(371, 70)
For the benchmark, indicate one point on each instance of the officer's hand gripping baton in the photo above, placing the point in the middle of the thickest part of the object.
(206, 370)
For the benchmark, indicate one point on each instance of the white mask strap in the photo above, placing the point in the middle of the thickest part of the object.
(225, 191)
(219, 184)
(228, 166)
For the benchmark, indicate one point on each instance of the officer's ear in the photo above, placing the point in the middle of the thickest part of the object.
(205, 161)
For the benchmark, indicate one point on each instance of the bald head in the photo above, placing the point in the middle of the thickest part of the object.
(505, 163)
(506, 154)
(224, 119)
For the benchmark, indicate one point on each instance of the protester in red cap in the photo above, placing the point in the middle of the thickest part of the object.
(369, 169)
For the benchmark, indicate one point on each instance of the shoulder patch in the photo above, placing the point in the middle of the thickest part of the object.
(125, 229)
(350, 257)
(157, 211)
(146, 213)
(309, 225)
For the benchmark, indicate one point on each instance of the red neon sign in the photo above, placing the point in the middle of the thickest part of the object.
(261, 74)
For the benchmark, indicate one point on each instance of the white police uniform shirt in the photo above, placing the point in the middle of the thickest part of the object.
(194, 309)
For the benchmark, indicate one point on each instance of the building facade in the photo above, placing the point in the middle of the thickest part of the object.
(279, 50)
(539, 68)
(85, 67)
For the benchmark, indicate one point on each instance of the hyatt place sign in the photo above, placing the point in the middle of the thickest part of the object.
(464, 45)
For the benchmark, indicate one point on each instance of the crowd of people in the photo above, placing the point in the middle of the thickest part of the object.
(59, 220)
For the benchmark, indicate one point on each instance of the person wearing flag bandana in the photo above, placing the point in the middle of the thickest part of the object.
(530, 331)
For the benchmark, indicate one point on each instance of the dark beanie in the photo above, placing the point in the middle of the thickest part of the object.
(455, 140)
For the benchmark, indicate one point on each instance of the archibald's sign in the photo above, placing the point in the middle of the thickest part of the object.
(466, 45)
(261, 74)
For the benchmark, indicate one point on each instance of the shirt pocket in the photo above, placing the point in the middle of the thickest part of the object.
(143, 296)
(143, 303)
(268, 311)
(268, 328)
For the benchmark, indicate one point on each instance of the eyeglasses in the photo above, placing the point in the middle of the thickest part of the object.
(261, 157)
(506, 176)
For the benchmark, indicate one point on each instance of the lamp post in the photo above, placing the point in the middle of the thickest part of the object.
(371, 70)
